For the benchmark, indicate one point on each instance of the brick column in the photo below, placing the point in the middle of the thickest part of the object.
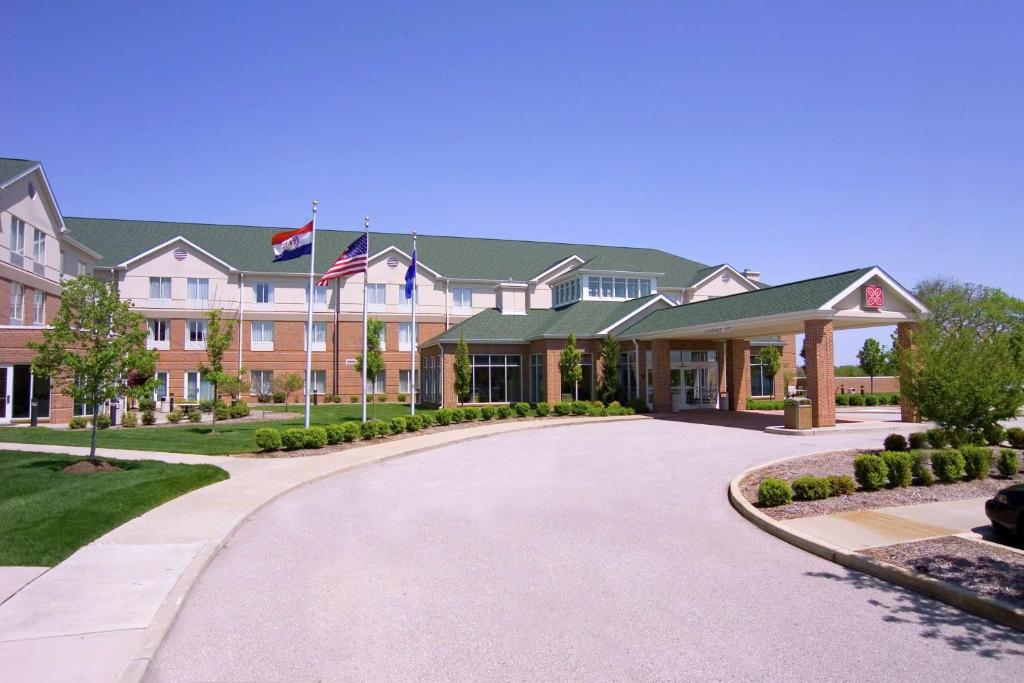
(738, 373)
(905, 340)
(821, 370)
(448, 391)
(554, 377)
(641, 369)
(660, 362)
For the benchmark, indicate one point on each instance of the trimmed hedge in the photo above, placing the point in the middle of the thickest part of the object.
(397, 425)
(562, 409)
(811, 488)
(487, 413)
(841, 485)
(1008, 463)
(763, 404)
(522, 409)
(918, 440)
(937, 437)
(78, 422)
(1015, 435)
(977, 462)
(994, 434)
(349, 432)
(293, 439)
(774, 492)
(314, 437)
(334, 433)
(268, 439)
(504, 412)
(948, 466)
(102, 421)
(900, 467)
(148, 417)
(130, 419)
(543, 409)
(895, 442)
(174, 417)
(871, 471)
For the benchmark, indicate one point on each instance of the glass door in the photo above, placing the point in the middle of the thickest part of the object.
(6, 374)
(676, 385)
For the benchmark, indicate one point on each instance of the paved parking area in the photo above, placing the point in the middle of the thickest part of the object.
(595, 552)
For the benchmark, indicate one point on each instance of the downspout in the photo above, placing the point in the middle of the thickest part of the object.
(441, 347)
(241, 318)
(446, 281)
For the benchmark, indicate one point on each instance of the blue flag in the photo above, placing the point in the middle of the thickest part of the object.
(410, 276)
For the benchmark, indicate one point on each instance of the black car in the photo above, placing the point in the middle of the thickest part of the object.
(1006, 510)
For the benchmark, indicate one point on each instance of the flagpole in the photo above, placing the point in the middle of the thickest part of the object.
(309, 316)
(412, 334)
(366, 230)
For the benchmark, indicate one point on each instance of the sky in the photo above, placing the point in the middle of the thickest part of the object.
(798, 139)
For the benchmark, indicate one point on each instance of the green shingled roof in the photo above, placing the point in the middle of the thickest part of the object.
(584, 319)
(248, 248)
(792, 297)
(12, 168)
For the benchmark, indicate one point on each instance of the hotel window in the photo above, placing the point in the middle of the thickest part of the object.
(39, 252)
(83, 269)
(319, 295)
(403, 381)
(649, 378)
(17, 302)
(160, 390)
(496, 379)
(403, 336)
(406, 303)
(462, 298)
(262, 333)
(81, 409)
(17, 241)
(632, 289)
(319, 336)
(263, 292)
(607, 288)
(586, 385)
(198, 291)
(383, 336)
(538, 379)
(159, 287)
(377, 384)
(620, 288)
(627, 375)
(197, 388)
(645, 287)
(319, 378)
(157, 338)
(761, 383)
(261, 382)
(195, 335)
(39, 308)
(593, 287)
(567, 292)
(430, 380)
(376, 297)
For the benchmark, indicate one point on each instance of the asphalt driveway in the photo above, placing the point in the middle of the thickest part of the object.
(593, 552)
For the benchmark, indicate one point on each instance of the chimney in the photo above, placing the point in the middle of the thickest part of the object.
(752, 275)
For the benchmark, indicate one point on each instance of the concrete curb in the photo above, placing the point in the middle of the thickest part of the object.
(989, 608)
(156, 632)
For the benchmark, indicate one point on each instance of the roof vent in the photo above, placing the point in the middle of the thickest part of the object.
(31, 190)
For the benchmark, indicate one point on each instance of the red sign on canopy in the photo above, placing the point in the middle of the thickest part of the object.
(874, 297)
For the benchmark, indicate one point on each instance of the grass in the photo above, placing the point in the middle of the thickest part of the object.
(47, 514)
(230, 438)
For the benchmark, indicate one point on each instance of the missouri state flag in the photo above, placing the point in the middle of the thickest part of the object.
(293, 243)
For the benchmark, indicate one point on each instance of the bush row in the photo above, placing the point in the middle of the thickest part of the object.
(774, 492)
(867, 399)
(993, 435)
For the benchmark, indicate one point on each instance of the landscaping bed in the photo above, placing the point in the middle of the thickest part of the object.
(979, 567)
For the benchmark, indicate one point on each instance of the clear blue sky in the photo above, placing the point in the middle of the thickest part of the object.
(795, 138)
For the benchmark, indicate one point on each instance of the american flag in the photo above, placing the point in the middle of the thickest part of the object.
(351, 261)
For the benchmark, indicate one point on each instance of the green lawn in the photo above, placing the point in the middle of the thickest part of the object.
(231, 437)
(47, 514)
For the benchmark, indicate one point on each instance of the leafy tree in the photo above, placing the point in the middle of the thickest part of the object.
(375, 362)
(569, 365)
(218, 339)
(463, 371)
(771, 361)
(873, 359)
(289, 383)
(965, 369)
(94, 346)
(609, 387)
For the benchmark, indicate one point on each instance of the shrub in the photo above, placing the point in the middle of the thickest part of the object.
(146, 403)
(1015, 436)
(870, 471)
(78, 422)
(487, 412)
(841, 485)
(579, 407)
(504, 412)
(413, 423)
(368, 430)
(926, 477)
(148, 417)
(774, 492)
(268, 439)
(894, 400)
(919, 463)
(544, 409)
(397, 425)
(279, 396)
(630, 410)
(870, 400)
(594, 411)
(1008, 462)
(353, 399)
(811, 488)
(900, 467)
(314, 437)
(856, 400)
(334, 433)
(470, 414)
(443, 417)
(638, 405)
(977, 462)
(130, 419)
(976, 438)
(240, 409)
(895, 442)
(222, 412)
(102, 421)
(427, 419)
(918, 440)
(761, 404)
(349, 431)
(956, 437)
(842, 399)
(293, 439)
(614, 404)
(457, 415)
(937, 438)
(400, 398)
(195, 416)
(522, 409)
(562, 408)
(948, 466)
(174, 417)
(994, 434)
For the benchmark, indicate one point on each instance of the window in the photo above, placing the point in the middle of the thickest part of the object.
(376, 297)
(198, 291)
(197, 388)
(538, 378)
(632, 290)
(566, 292)
(649, 378)
(319, 295)
(17, 302)
(496, 379)
(39, 252)
(83, 269)
(160, 390)
(195, 336)
(319, 336)
(404, 302)
(262, 382)
(159, 287)
(157, 335)
(377, 384)
(627, 375)
(263, 292)
(39, 308)
(319, 378)
(645, 287)
(403, 381)
(430, 380)
(17, 241)
(462, 299)
(404, 343)
(262, 335)
(607, 288)
(761, 383)
(593, 287)
(586, 385)
(620, 288)
(383, 336)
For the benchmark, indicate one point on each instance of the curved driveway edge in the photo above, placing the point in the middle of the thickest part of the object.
(103, 613)
(990, 608)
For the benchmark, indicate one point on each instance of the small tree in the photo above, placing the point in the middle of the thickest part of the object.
(94, 345)
(873, 359)
(569, 365)
(375, 364)
(289, 383)
(771, 363)
(609, 388)
(463, 371)
(218, 339)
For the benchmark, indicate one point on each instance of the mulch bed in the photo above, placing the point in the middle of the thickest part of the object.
(841, 462)
(989, 570)
(88, 467)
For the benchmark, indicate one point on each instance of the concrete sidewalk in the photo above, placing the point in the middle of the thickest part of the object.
(101, 614)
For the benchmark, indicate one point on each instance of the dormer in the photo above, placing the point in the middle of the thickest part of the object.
(721, 280)
(583, 284)
(510, 298)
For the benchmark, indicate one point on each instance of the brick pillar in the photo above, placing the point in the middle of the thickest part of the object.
(905, 340)
(641, 369)
(821, 370)
(661, 361)
(738, 373)
(448, 365)
(554, 377)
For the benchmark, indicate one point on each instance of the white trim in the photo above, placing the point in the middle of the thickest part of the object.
(512, 285)
(66, 238)
(812, 314)
(61, 228)
(887, 279)
(179, 238)
(539, 277)
(408, 257)
(657, 297)
(718, 270)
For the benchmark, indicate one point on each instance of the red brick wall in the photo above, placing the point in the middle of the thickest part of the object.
(738, 373)
(821, 372)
